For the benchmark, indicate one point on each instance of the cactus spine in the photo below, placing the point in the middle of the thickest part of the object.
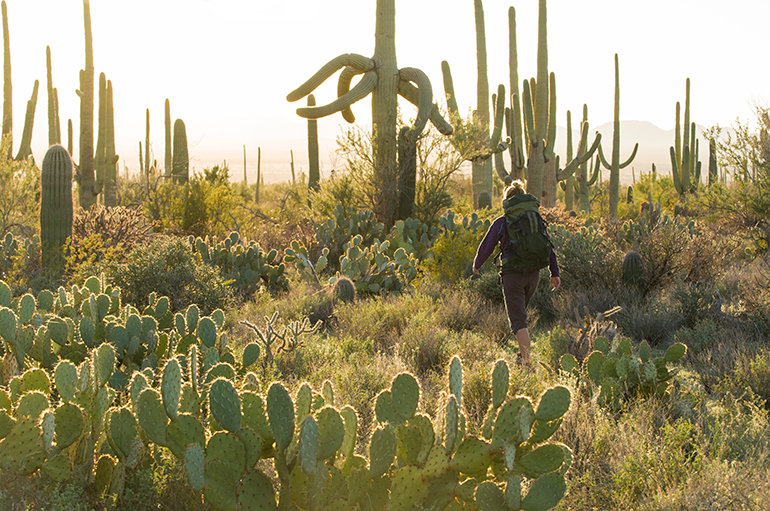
(314, 169)
(25, 148)
(86, 188)
(55, 201)
(615, 166)
(180, 160)
(385, 82)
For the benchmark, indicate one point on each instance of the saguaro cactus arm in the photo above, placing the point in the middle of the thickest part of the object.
(582, 155)
(357, 93)
(357, 62)
(608, 165)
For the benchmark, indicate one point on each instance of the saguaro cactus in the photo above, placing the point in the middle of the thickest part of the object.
(615, 166)
(181, 158)
(110, 158)
(55, 200)
(54, 135)
(314, 168)
(25, 148)
(385, 81)
(167, 163)
(7, 88)
(86, 190)
(685, 166)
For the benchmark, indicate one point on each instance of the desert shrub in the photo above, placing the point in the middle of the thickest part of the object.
(487, 285)
(693, 301)
(118, 226)
(588, 258)
(477, 394)
(752, 371)
(653, 320)
(703, 335)
(423, 347)
(379, 320)
(551, 345)
(169, 267)
(19, 194)
(458, 310)
(453, 255)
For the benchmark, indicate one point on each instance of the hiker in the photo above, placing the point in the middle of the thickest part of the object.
(525, 248)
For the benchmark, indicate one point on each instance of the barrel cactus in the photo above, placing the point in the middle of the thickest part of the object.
(56, 200)
(633, 268)
(344, 290)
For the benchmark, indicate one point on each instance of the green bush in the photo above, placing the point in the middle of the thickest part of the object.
(169, 267)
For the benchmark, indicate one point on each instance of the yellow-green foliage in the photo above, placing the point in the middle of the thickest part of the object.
(452, 253)
(19, 190)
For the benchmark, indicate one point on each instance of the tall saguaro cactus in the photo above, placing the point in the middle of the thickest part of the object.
(314, 167)
(25, 148)
(167, 162)
(87, 191)
(685, 165)
(110, 158)
(615, 166)
(7, 87)
(54, 133)
(385, 82)
(181, 158)
(55, 201)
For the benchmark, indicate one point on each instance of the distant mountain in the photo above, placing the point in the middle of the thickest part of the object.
(654, 144)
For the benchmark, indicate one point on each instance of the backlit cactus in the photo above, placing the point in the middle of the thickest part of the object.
(633, 269)
(685, 165)
(385, 82)
(615, 166)
(55, 202)
(180, 160)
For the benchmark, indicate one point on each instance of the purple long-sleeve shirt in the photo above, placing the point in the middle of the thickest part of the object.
(498, 234)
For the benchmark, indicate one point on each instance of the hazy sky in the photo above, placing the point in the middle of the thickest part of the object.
(227, 65)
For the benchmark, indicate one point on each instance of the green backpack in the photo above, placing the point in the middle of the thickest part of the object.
(530, 245)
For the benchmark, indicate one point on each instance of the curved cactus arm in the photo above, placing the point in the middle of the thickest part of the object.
(345, 60)
(425, 100)
(675, 171)
(529, 116)
(630, 158)
(343, 87)
(602, 159)
(410, 93)
(449, 89)
(551, 137)
(582, 155)
(592, 180)
(519, 160)
(360, 91)
(497, 132)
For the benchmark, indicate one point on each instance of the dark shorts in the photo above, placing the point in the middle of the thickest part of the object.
(518, 288)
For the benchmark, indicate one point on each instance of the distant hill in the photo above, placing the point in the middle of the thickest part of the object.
(654, 144)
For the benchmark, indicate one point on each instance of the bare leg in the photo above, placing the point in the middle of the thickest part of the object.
(522, 335)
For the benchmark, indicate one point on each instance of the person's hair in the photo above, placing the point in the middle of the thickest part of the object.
(515, 188)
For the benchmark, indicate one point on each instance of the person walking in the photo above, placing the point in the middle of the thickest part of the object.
(525, 248)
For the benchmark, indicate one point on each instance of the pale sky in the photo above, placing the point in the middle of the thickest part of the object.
(227, 65)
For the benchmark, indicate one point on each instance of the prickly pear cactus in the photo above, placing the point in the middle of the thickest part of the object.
(618, 372)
